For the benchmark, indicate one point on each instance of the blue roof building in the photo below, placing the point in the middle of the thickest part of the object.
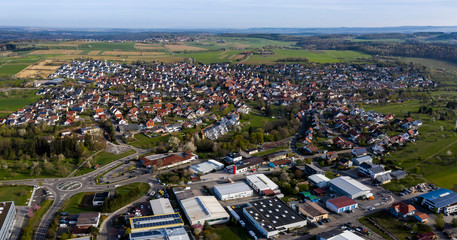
(441, 200)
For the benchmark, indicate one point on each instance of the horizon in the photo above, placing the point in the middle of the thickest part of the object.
(224, 14)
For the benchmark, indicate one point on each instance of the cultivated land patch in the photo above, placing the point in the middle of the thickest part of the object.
(11, 69)
(41, 69)
(178, 48)
(143, 46)
(121, 53)
(56, 51)
(93, 52)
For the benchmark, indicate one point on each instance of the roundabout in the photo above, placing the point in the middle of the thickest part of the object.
(69, 186)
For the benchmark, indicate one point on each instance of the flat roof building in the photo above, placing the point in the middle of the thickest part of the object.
(141, 224)
(231, 191)
(271, 216)
(319, 180)
(161, 206)
(7, 219)
(89, 219)
(99, 198)
(173, 233)
(203, 209)
(168, 160)
(207, 167)
(349, 187)
(261, 183)
(338, 234)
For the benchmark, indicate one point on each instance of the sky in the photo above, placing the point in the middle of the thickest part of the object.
(227, 13)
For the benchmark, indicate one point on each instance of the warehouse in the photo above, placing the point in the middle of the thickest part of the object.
(341, 204)
(349, 187)
(262, 184)
(162, 233)
(231, 191)
(203, 209)
(207, 167)
(441, 200)
(161, 206)
(271, 216)
(319, 180)
(141, 224)
(313, 211)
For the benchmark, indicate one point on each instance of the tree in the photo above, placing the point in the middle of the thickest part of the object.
(189, 147)
(174, 142)
(454, 222)
(439, 221)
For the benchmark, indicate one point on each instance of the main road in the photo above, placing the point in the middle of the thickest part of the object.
(60, 189)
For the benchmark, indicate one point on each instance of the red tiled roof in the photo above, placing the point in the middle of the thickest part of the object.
(343, 201)
(403, 208)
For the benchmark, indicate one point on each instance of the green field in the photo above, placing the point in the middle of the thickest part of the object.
(145, 142)
(11, 101)
(269, 151)
(230, 233)
(442, 72)
(10, 69)
(104, 157)
(393, 225)
(427, 156)
(80, 202)
(18, 194)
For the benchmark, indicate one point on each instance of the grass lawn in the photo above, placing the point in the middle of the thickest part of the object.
(10, 69)
(398, 185)
(81, 202)
(393, 225)
(104, 157)
(231, 233)
(144, 142)
(18, 194)
(126, 188)
(11, 101)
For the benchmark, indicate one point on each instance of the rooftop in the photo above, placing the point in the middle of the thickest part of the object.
(203, 207)
(312, 208)
(272, 213)
(207, 166)
(161, 206)
(4, 209)
(441, 197)
(343, 201)
(174, 233)
(156, 221)
(261, 181)
(349, 185)
(230, 188)
(318, 178)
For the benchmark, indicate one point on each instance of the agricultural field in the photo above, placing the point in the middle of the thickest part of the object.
(319, 56)
(41, 69)
(11, 69)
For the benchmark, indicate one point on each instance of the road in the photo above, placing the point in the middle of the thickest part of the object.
(82, 183)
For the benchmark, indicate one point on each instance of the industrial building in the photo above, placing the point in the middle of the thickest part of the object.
(440, 201)
(248, 164)
(146, 223)
(338, 234)
(207, 167)
(201, 209)
(319, 180)
(262, 184)
(349, 187)
(271, 216)
(312, 211)
(231, 191)
(341, 204)
(167, 160)
(173, 233)
(161, 206)
(7, 219)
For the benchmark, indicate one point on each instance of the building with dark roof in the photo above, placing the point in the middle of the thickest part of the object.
(141, 224)
(7, 218)
(441, 200)
(89, 219)
(311, 169)
(341, 204)
(99, 198)
(271, 216)
(312, 211)
(245, 165)
(398, 174)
